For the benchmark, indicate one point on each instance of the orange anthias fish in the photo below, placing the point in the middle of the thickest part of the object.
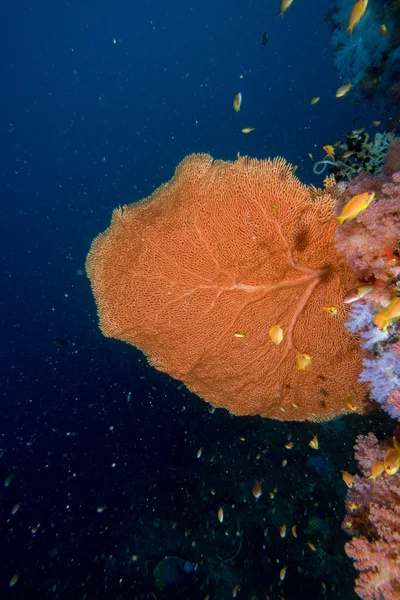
(383, 29)
(314, 443)
(342, 91)
(276, 334)
(388, 315)
(237, 102)
(315, 100)
(348, 478)
(357, 14)
(391, 462)
(350, 404)
(257, 489)
(331, 310)
(377, 469)
(357, 205)
(303, 361)
(330, 150)
(248, 129)
(285, 4)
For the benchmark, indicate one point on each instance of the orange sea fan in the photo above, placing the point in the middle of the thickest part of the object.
(227, 248)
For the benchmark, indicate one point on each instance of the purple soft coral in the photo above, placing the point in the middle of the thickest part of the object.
(383, 373)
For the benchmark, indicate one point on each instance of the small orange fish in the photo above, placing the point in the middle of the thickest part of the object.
(282, 532)
(331, 310)
(315, 100)
(284, 462)
(276, 334)
(357, 14)
(342, 91)
(350, 404)
(282, 573)
(294, 531)
(303, 361)
(348, 478)
(310, 156)
(237, 102)
(220, 514)
(391, 462)
(311, 545)
(357, 293)
(348, 154)
(248, 129)
(294, 169)
(239, 334)
(330, 150)
(314, 443)
(357, 205)
(376, 123)
(377, 469)
(285, 4)
(235, 590)
(388, 315)
(383, 29)
(257, 489)
(289, 445)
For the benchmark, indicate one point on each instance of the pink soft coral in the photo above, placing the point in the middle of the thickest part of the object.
(392, 164)
(368, 241)
(373, 517)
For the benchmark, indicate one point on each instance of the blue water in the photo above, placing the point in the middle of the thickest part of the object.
(99, 102)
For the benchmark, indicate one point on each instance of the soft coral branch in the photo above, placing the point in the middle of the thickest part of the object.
(373, 518)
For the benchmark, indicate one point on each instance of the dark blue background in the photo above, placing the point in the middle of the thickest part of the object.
(99, 102)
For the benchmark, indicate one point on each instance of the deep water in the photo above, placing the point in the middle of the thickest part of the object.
(99, 102)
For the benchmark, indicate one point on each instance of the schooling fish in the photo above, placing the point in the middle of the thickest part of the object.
(357, 293)
(331, 310)
(357, 14)
(285, 4)
(303, 361)
(237, 102)
(342, 91)
(265, 38)
(391, 462)
(377, 469)
(276, 334)
(257, 489)
(388, 315)
(330, 150)
(348, 478)
(355, 206)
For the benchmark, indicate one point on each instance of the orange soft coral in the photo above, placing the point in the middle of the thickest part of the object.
(197, 274)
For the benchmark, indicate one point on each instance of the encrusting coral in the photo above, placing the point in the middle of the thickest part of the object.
(197, 274)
